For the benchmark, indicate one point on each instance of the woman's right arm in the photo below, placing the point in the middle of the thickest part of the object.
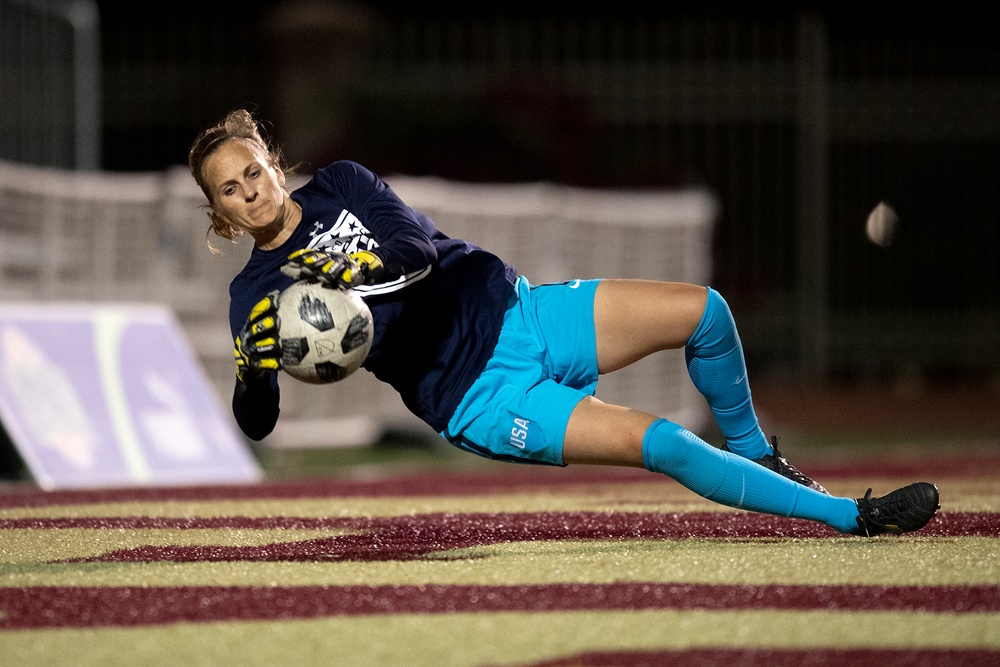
(256, 395)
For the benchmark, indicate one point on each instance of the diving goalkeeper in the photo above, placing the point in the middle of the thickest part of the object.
(498, 366)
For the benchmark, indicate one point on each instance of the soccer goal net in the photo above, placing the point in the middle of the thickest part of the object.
(554, 233)
(112, 237)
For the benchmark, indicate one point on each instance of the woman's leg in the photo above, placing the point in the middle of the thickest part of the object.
(715, 362)
(599, 433)
(636, 318)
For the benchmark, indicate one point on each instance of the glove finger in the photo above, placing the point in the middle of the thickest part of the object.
(352, 277)
(325, 267)
(266, 364)
(266, 326)
(264, 346)
(300, 264)
(258, 339)
(300, 253)
(242, 361)
(346, 272)
(307, 258)
(299, 271)
(369, 266)
(266, 307)
(360, 276)
(335, 269)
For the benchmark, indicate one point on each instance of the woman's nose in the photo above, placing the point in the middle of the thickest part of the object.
(251, 195)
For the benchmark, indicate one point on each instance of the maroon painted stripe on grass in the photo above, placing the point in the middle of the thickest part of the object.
(36, 607)
(423, 484)
(424, 535)
(506, 480)
(545, 524)
(762, 657)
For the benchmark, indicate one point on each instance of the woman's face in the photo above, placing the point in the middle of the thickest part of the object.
(244, 188)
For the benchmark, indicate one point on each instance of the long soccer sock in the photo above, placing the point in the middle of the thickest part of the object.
(736, 482)
(717, 368)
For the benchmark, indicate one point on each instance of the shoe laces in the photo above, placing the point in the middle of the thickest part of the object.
(783, 462)
(865, 506)
(874, 510)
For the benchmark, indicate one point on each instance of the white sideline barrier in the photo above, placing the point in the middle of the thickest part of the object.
(67, 236)
(98, 395)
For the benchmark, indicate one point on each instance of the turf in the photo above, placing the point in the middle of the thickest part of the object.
(495, 565)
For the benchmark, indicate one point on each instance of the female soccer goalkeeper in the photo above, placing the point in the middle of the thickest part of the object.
(479, 354)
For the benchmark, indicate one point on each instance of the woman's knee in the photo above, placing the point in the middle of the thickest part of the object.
(601, 433)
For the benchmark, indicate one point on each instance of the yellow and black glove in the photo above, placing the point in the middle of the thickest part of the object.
(257, 347)
(369, 266)
(336, 269)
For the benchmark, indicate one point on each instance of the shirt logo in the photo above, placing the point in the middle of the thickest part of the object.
(349, 235)
(346, 235)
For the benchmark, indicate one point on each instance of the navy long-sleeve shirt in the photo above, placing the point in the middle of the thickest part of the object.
(437, 313)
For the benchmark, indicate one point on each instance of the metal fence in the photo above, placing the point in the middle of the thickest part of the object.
(800, 126)
(800, 123)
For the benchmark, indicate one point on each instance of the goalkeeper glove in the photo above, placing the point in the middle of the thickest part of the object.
(369, 266)
(257, 349)
(334, 268)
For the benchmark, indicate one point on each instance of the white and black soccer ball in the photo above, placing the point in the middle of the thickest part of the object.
(325, 332)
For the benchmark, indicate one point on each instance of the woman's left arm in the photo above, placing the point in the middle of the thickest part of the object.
(404, 237)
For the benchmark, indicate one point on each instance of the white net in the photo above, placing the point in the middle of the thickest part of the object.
(79, 236)
(68, 236)
(554, 233)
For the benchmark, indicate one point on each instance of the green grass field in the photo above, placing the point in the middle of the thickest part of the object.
(418, 555)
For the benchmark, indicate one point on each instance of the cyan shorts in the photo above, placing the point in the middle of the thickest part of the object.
(544, 364)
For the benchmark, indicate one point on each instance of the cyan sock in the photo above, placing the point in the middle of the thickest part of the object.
(717, 368)
(737, 482)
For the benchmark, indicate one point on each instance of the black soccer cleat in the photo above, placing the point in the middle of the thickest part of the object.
(902, 511)
(779, 464)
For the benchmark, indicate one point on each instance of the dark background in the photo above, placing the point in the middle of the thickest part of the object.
(799, 119)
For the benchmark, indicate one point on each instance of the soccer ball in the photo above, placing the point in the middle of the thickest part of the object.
(325, 332)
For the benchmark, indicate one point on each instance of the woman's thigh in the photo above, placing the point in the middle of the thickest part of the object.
(634, 318)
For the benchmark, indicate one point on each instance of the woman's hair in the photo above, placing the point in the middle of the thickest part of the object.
(238, 124)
